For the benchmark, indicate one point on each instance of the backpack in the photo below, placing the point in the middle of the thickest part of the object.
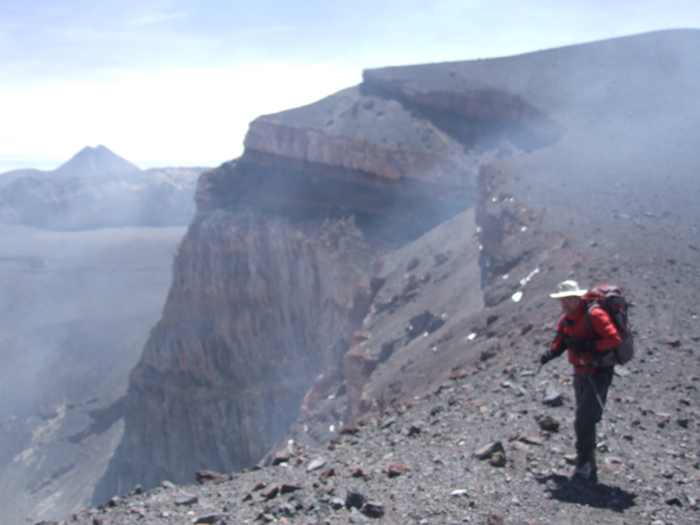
(611, 300)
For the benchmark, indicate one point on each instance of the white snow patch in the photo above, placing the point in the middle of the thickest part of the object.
(527, 279)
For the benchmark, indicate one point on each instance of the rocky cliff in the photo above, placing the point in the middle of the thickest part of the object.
(258, 306)
(473, 187)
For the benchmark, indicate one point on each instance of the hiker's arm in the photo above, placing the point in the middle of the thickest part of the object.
(558, 345)
(604, 327)
(556, 349)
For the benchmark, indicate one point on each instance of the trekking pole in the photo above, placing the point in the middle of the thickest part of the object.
(605, 416)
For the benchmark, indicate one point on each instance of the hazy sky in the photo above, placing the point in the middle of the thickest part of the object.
(175, 82)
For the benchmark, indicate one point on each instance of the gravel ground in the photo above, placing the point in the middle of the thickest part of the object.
(416, 463)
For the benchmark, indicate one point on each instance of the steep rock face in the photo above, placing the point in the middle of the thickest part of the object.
(220, 382)
(360, 133)
(353, 153)
(257, 307)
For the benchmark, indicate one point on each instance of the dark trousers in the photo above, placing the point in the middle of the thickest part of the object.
(588, 409)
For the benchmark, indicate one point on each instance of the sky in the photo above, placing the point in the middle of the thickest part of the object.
(176, 82)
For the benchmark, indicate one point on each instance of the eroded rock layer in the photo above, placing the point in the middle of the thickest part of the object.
(257, 307)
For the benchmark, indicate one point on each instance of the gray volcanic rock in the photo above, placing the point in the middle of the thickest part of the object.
(351, 153)
(224, 372)
(359, 134)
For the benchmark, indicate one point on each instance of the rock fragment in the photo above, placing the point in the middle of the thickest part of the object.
(496, 519)
(552, 397)
(373, 509)
(532, 440)
(211, 518)
(283, 456)
(415, 429)
(388, 422)
(350, 429)
(185, 498)
(288, 509)
(354, 498)
(498, 459)
(336, 503)
(487, 451)
(329, 473)
(315, 464)
(271, 491)
(547, 422)
(357, 517)
(397, 468)
(287, 488)
(674, 501)
(209, 476)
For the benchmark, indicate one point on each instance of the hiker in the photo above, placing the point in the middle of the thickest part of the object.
(591, 375)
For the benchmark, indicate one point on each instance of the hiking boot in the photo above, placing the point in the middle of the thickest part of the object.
(586, 471)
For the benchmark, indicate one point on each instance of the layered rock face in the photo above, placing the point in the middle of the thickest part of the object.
(276, 272)
(275, 275)
(258, 306)
(399, 166)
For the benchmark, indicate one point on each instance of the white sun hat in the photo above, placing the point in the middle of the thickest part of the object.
(568, 289)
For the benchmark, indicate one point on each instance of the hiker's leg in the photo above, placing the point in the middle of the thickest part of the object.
(588, 409)
(588, 413)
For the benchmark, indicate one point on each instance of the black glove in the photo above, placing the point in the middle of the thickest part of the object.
(547, 356)
(576, 345)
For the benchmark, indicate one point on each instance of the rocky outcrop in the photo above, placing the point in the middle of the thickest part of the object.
(360, 134)
(268, 313)
(350, 154)
(258, 307)
(470, 109)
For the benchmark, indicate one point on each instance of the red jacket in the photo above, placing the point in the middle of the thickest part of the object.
(605, 336)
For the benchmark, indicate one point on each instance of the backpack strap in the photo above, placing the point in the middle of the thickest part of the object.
(606, 357)
(590, 306)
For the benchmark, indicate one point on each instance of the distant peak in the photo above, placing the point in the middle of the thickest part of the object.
(95, 162)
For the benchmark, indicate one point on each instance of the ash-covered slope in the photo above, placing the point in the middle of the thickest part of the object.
(585, 166)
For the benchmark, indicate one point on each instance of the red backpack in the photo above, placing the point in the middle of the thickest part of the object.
(610, 299)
